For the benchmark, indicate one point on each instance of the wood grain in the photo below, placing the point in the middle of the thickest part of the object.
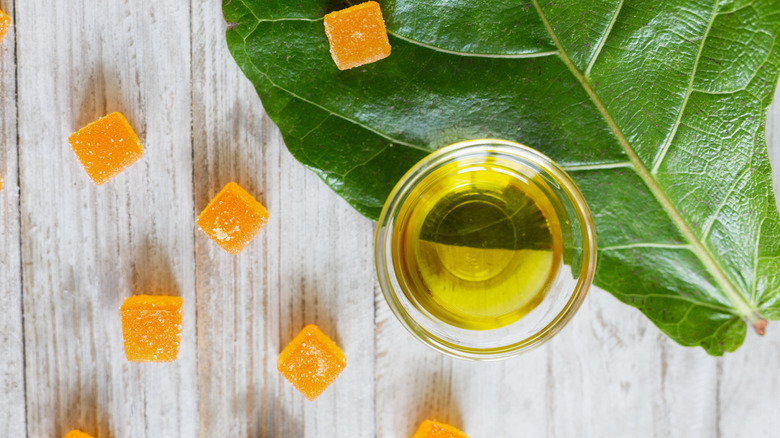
(312, 263)
(86, 248)
(72, 252)
(12, 403)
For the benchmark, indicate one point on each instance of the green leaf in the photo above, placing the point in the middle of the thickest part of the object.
(655, 107)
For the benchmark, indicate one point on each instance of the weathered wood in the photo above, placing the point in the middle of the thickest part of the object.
(489, 399)
(608, 373)
(86, 248)
(615, 373)
(12, 420)
(311, 264)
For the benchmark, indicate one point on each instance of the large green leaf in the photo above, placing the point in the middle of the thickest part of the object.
(655, 107)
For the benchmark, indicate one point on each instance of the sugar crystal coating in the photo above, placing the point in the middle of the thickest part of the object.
(106, 147)
(357, 35)
(434, 429)
(311, 362)
(233, 218)
(151, 326)
(77, 434)
(5, 24)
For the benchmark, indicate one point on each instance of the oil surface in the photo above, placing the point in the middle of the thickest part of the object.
(479, 247)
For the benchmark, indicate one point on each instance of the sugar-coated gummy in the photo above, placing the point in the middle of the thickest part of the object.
(106, 147)
(311, 362)
(233, 218)
(151, 327)
(77, 434)
(5, 24)
(357, 35)
(434, 429)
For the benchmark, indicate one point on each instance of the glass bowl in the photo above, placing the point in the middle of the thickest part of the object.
(569, 283)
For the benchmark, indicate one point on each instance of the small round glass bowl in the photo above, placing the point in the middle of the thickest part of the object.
(568, 285)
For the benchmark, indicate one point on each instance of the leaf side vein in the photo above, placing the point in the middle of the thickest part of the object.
(668, 143)
(742, 307)
(647, 245)
(471, 54)
(583, 167)
(711, 221)
(603, 40)
(683, 298)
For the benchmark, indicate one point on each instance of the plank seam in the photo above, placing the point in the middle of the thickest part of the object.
(19, 221)
(193, 230)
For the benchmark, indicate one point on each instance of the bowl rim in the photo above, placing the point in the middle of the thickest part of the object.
(577, 295)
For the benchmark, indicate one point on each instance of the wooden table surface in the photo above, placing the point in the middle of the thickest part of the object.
(71, 252)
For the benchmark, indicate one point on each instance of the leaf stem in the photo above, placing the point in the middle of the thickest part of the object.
(743, 308)
(759, 325)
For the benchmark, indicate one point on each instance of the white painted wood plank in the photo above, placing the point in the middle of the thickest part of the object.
(87, 248)
(311, 264)
(484, 399)
(609, 373)
(616, 374)
(749, 391)
(12, 418)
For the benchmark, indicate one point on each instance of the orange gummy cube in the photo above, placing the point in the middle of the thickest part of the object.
(434, 429)
(106, 147)
(77, 434)
(311, 362)
(357, 35)
(5, 24)
(151, 326)
(233, 218)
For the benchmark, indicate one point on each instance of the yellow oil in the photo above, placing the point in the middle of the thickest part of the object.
(479, 245)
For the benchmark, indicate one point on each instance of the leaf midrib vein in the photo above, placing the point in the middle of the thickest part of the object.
(742, 307)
